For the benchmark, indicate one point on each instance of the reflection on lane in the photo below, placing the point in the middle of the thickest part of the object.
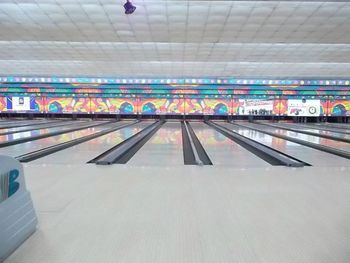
(222, 151)
(40, 126)
(15, 124)
(273, 142)
(23, 148)
(331, 125)
(86, 151)
(14, 136)
(163, 149)
(304, 153)
(310, 138)
(315, 130)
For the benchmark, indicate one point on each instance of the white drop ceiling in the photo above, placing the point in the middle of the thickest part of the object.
(175, 38)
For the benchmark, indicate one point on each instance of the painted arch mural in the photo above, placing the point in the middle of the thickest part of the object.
(234, 105)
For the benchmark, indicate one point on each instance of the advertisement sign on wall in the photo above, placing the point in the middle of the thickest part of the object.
(255, 107)
(20, 104)
(303, 107)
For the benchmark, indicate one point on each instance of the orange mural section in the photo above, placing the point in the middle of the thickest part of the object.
(283, 107)
(39, 104)
(235, 106)
(324, 108)
(3, 104)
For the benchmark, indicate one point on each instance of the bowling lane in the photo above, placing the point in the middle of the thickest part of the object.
(25, 134)
(223, 151)
(163, 149)
(27, 147)
(87, 151)
(38, 126)
(303, 153)
(18, 123)
(309, 138)
(332, 124)
(336, 128)
(301, 127)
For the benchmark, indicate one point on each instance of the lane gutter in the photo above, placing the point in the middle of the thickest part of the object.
(195, 146)
(188, 152)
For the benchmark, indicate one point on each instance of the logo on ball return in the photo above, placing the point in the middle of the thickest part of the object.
(8, 184)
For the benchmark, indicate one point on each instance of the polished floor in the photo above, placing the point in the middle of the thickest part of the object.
(91, 214)
(156, 209)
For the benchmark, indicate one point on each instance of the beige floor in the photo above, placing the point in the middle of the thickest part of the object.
(188, 214)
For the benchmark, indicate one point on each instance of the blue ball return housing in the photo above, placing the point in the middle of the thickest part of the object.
(17, 216)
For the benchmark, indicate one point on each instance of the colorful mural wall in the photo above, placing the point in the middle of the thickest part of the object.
(185, 106)
(156, 106)
(114, 105)
(2, 104)
(39, 104)
(176, 97)
(67, 105)
(212, 106)
(339, 107)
